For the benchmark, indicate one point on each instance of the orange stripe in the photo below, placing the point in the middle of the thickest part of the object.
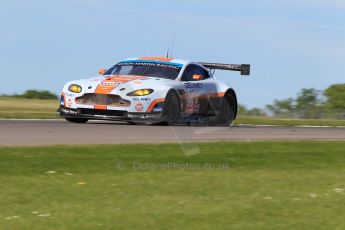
(105, 88)
(217, 94)
(211, 95)
(101, 107)
(153, 104)
(156, 59)
(101, 89)
(205, 95)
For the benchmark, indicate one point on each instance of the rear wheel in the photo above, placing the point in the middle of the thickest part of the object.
(172, 108)
(76, 120)
(227, 111)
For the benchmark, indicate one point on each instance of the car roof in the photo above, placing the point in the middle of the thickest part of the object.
(159, 59)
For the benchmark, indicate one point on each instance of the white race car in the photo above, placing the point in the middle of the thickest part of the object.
(153, 90)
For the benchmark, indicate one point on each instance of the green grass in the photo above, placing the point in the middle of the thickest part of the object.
(265, 185)
(28, 108)
(288, 121)
(46, 109)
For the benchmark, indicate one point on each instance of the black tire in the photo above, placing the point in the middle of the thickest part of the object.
(172, 107)
(76, 120)
(227, 113)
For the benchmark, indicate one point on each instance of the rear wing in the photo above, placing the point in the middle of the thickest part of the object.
(243, 68)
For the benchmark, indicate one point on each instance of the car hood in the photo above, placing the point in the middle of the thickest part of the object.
(121, 83)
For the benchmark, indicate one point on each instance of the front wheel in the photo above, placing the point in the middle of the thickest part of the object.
(172, 108)
(76, 120)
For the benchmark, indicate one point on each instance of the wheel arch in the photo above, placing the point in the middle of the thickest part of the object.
(233, 94)
(171, 120)
(175, 91)
(172, 89)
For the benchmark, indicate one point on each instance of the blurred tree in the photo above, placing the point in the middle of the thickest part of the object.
(309, 104)
(283, 107)
(336, 99)
(256, 112)
(242, 110)
(36, 94)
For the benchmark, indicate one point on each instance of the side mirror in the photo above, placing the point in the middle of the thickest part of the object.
(101, 71)
(197, 77)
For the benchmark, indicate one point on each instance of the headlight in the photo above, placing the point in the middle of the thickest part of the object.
(140, 92)
(75, 88)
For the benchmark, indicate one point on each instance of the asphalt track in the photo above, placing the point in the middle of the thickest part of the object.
(51, 132)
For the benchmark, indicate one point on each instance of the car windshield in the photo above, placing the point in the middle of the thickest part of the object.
(146, 68)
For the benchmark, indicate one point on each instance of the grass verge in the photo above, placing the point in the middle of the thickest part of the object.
(244, 185)
(28, 108)
(253, 120)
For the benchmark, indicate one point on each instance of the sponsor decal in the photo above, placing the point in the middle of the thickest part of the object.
(139, 107)
(143, 116)
(192, 103)
(67, 111)
(69, 102)
(143, 99)
(151, 63)
(70, 95)
(191, 85)
(192, 106)
(109, 83)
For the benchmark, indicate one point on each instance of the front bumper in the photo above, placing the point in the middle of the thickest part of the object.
(113, 115)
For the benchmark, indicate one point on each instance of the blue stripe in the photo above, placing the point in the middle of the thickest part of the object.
(149, 61)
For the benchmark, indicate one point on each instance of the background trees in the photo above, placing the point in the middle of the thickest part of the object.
(336, 99)
(35, 94)
(311, 103)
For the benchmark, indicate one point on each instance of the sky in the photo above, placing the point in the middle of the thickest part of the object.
(290, 44)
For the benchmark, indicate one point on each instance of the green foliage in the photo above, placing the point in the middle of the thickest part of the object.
(33, 94)
(335, 96)
(243, 111)
(307, 98)
(284, 107)
(256, 112)
(37, 94)
(307, 105)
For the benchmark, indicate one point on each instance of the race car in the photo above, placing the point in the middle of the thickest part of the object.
(153, 90)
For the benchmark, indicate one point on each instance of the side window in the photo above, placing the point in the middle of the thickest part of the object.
(194, 73)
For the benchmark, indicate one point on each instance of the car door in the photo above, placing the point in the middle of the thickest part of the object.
(197, 89)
